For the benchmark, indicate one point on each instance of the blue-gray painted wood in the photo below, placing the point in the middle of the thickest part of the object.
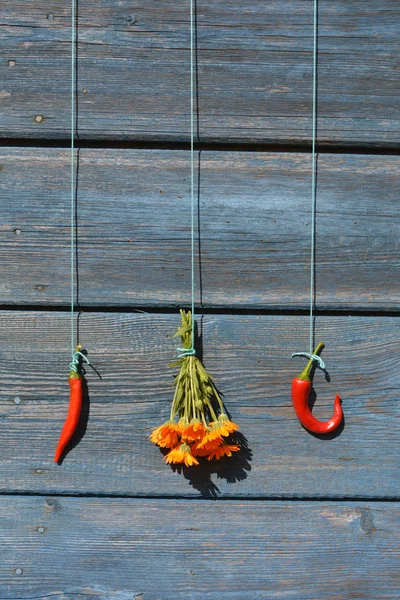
(249, 357)
(115, 549)
(253, 229)
(254, 67)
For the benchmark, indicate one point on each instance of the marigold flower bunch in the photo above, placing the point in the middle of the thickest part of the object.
(198, 426)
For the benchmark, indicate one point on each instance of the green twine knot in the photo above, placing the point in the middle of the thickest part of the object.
(186, 352)
(74, 364)
(313, 357)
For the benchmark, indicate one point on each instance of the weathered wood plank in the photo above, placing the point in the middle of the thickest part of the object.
(249, 357)
(253, 228)
(113, 549)
(253, 70)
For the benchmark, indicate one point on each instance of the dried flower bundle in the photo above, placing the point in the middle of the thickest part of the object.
(198, 426)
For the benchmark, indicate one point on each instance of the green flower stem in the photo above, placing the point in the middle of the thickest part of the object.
(195, 391)
(191, 370)
(173, 409)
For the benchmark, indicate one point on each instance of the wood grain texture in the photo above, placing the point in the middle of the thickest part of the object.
(249, 357)
(114, 549)
(254, 62)
(252, 228)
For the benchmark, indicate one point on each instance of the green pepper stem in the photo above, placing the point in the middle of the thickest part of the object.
(305, 374)
(72, 373)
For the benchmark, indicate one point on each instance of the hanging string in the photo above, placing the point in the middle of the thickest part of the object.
(190, 351)
(313, 174)
(317, 359)
(192, 161)
(72, 178)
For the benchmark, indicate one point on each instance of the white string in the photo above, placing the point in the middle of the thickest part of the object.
(72, 172)
(182, 352)
(313, 173)
(192, 162)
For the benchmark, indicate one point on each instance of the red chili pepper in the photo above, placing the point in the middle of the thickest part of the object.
(301, 388)
(74, 410)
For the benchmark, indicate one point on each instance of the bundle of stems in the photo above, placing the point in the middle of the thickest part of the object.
(203, 428)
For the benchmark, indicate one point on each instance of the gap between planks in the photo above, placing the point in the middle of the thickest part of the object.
(223, 310)
(238, 498)
(379, 149)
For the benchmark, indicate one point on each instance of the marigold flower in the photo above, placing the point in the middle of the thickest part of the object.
(181, 424)
(195, 430)
(212, 438)
(181, 454)
(166, 435)
(227, 423)
(203, 449)
(218, 430)
(224, 450)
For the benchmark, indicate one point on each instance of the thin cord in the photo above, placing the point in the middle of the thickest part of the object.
(182, 352)
(192, 162)
(72, 172)
(317, 359)
(313, 178)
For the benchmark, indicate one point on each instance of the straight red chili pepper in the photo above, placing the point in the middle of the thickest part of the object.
(301, 388)
(74, 410)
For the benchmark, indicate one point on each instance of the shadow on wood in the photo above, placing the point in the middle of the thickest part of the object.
(232, 469)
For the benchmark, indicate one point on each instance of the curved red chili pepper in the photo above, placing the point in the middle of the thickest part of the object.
(74, 410)
(301, 388)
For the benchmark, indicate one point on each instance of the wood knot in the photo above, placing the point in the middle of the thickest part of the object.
(132, 20)
(367, 522)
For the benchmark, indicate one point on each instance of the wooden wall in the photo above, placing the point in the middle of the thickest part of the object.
(292, 516)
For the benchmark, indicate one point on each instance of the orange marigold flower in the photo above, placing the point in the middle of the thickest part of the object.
(224, 450)
(181, 454)
(166, 435)
(219, 429)
(210, 439)
(181, 424)
(200, 449)
(195, 430)
(229, 425)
